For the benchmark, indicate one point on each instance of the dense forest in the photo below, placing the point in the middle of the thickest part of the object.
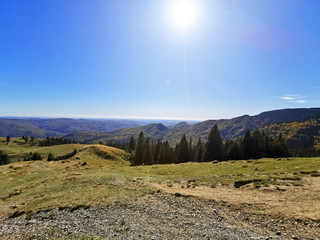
(253, 145)
(276, 140)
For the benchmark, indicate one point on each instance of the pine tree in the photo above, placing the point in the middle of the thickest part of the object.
(139, 157)
(232, 150)
(148, 159)
(199, 150)
(214, 148)
(184, 153)
(281, 149)
(257, 144)
(156, 152)
(168, 156)
(132, 144)
(247, 145)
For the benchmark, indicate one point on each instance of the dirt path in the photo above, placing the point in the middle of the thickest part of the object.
(157, 216)
(285, 201)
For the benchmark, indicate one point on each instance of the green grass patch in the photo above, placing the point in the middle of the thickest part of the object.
(107, 178)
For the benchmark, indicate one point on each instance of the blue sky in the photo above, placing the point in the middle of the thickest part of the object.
(111, 58)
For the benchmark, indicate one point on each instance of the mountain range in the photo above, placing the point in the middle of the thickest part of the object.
(300, 126)
(54, 127)
(229, 128)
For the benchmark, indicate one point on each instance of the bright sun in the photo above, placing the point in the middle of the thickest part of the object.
(184, 13)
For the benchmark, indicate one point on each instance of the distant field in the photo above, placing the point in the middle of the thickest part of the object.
(100, 175)
(17, 149)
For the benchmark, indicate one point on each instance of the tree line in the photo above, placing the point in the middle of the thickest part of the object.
(52, 141)
(253, 145)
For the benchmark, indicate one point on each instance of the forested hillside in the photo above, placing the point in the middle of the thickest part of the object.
(229, 128)
(58, 126)
(299, 135)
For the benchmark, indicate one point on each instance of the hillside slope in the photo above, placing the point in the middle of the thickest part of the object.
(299, 135)
(229, 128)
(18, 128)
(58, 126)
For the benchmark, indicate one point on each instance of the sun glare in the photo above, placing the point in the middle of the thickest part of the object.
(184, 13)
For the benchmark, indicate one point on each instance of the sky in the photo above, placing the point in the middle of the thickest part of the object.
(128, 58)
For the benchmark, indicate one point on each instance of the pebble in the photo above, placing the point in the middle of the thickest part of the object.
(155, 216)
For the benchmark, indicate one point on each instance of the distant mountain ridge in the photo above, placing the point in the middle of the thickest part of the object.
(229, 128)
(53, 127)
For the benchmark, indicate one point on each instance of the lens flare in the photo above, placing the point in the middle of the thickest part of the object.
(184, 13)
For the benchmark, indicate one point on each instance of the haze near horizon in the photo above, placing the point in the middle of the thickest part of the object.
(151, 59)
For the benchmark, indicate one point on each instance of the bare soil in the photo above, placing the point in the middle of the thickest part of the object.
(279, 201)
(197, 213)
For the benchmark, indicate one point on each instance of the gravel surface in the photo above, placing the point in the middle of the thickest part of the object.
(156, 216)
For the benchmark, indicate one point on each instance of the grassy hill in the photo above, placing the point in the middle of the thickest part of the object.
(17, 149)
(229, 128)
(99, 175)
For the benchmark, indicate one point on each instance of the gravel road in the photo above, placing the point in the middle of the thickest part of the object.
(155, 216)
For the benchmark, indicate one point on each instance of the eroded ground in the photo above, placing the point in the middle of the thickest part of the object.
(298, 202)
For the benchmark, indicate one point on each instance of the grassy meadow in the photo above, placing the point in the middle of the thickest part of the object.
(99, 175)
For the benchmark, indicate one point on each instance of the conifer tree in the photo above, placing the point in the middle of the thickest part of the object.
(148, 159)
(280, 147)
(139, 157)
(257, 144)
(168, 156)
(214, 148)
(183, 154)
(156, 152)
(247, 145)
(232, 150)
(199, 150)
(132, 144)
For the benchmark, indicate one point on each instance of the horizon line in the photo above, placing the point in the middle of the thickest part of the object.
(115, 117)
(121, 117)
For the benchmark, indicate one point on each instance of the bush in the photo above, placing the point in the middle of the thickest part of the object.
(4, 158)
(33, 157)
(51, 157)
(66, 156)
(36, 156)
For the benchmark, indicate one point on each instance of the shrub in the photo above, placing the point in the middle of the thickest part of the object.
(51, 157)
(4, 158)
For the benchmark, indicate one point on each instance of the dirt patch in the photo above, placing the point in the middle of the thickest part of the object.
(285, 201)
(155, 216)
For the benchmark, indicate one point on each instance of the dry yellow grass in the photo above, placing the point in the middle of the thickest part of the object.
(107, 177)
(285, 201)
